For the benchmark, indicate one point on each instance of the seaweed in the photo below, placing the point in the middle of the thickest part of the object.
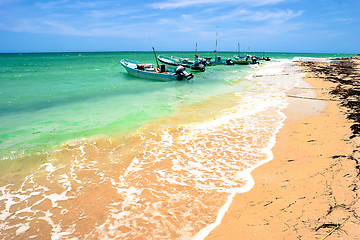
(343, 71)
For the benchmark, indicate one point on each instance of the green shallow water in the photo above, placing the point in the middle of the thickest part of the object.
(49, 98)
(137, 180)
(46, 99)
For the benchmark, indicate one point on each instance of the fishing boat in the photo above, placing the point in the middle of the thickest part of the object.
(149, 71)
(197, 65)
(218, 60)
(245, 60)
(221, 61)
(209, 61)
(241, 60)
(204, 60)
(264, 58)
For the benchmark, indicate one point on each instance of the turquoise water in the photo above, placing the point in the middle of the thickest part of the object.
(134, 179)
(49, 98)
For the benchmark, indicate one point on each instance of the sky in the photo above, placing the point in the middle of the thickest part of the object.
(303, 26)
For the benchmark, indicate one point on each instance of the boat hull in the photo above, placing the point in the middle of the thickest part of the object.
(219, 61)
(132, 68)
(177, 62)
(239, 62)
(152, 76)
(169, 62)
(245, 60)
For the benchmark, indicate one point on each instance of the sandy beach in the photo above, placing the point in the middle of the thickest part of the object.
(310, 190)
(276, 158)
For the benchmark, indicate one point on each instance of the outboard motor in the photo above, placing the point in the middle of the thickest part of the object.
(181, 73)
(229, 62)
(201, 67)
(253, 60)
(198, 65)
(206, 63)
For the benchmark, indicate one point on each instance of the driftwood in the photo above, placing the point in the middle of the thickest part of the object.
(335, 226)
(310, 98)
(345, 73)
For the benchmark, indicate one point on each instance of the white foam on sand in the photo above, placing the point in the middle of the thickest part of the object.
(286, 79)
(164, 192)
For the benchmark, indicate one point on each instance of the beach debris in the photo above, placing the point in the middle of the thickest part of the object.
(345, 72)
(327, 225)
(312, 98)
(335, 226)
(338, 156)
(288, 206)
(355, 128)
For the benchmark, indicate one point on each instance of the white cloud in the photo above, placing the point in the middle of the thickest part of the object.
(180, 4)
(110, 13)
(67, 4)
(50, 4)
(265, 2)
(233, 17)
(270, 29)
(133, 22)
(343, 20)
(171, 4)
(280, 15)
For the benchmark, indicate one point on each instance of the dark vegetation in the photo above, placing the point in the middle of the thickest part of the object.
(346, 73)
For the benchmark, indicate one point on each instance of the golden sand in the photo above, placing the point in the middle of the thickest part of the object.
(310, 188)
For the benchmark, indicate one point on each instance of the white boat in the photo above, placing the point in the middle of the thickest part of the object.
(197, 65)
(218, 60)
(245, 60)
(241, 60)
(311, 59)
(148, 71)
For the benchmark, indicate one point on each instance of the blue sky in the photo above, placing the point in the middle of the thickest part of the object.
(329, 26)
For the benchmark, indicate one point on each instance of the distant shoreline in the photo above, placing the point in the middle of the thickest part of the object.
(186, 51)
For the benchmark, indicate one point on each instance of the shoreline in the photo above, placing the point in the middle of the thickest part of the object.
(165, 190)
(307, 182)
(165, 174)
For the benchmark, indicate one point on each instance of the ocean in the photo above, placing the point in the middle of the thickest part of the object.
(89, 152)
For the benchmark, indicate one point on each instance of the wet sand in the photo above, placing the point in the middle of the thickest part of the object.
(164, 181)
(169, 182)
(310, 190)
